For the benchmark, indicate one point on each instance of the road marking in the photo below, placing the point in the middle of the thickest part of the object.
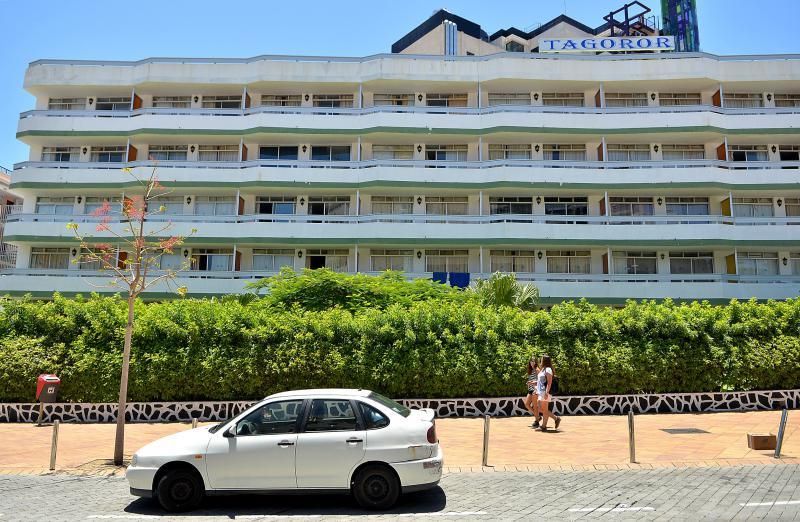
(622, 508)
(770, 504)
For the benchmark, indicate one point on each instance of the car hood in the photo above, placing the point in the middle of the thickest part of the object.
(181, 443)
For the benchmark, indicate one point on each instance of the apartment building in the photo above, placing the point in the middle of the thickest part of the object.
(604, 176)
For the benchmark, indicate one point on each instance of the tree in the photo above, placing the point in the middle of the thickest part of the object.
(504, 290)
(131, 262)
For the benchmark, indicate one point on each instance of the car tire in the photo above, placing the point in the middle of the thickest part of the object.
(179, 490)
(376, 487)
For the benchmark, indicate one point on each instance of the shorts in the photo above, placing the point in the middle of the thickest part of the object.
(544, 396)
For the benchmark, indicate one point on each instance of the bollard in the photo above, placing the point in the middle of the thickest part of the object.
(781, 429)
(40, 420)
(485, 440)
(194, 422)
(54, 445)
(631, 437)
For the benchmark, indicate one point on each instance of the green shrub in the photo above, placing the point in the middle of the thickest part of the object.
(195, 349)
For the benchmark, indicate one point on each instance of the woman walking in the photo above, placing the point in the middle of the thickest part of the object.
(544, 389)
(532, 398)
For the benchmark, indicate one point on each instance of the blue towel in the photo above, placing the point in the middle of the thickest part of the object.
(459, 279)
(440, 277)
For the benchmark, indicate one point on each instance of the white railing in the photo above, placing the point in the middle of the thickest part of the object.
(367, 164)
(421, 219)
(187, 274)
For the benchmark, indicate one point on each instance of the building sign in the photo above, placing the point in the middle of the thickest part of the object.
(616, 43)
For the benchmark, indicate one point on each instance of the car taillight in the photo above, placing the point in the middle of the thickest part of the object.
(432, 434)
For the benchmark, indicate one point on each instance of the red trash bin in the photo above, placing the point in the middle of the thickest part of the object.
(47, 386)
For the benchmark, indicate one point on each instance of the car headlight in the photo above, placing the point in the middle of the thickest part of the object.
(134, 459)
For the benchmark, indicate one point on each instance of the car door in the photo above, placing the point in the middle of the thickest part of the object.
(330, 445)
(261, 455)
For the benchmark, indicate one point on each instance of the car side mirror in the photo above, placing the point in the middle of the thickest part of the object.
(230, 432)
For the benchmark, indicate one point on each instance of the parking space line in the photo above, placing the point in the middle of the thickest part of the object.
(770, 504)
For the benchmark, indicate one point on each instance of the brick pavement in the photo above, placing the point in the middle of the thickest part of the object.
(582, 443)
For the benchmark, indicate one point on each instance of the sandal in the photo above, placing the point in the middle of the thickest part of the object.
(558, 421)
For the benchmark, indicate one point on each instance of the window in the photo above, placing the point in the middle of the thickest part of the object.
(569, 262)
(392, 204)
(676, 99)
(172, 102)
(49, 258)
(174, 261)
(373, 419)
(329, 205)
(331, 415)
(271, 419)
(446, 100)
(795, 261)
(393, 152)
(511, 205)
(337, 260)
(395, 100)
(691, 263)
(222, 102)
(215, 206)
(757, 263)
(687, 206)
(218, 153)
(789, 152)
(633, 263)
(272, 260)
(58, 206)
(571, 152)
(389, 403)
(275, 205)
(749, 153)
(787, 100)
(626, 99)
(94, 203)
(618, 152)
(168, 152)
(447, 261)
(515, 47)
(512, 261)
(108, 154)
(566, 206)
(518, 98)
(753, 207)
(792, 206)
(278, 152)
(563, 99)
(330, 153)
(280, 100)
(509, 152)
(446, 152)
(212, 259)
(66, 104)
(118, 103)
(683, 152)
(743, 101)
(631, 206)
(385, 259)
(172, 205)
(447, 205)
(333, 100)
(60, 154)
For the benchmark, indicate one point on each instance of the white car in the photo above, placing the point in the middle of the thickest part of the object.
(307, 440)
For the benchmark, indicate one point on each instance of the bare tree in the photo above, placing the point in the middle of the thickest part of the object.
(140, 236)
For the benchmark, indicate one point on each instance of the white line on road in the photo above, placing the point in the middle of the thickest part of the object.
(618, 509)
(770, 504)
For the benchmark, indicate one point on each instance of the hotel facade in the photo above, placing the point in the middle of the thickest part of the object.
(591, 175)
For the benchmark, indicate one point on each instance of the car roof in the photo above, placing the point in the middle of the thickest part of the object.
(322, 392)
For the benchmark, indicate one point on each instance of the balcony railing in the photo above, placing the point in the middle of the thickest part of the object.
(367, 164)
(425, 219)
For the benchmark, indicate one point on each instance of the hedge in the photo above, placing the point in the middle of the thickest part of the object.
(195, 349)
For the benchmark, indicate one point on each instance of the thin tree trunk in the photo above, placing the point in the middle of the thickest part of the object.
(119, 441)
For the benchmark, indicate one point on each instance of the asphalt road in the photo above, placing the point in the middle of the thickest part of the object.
(770, 492)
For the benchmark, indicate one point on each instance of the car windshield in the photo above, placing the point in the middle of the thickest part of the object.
(389, 403)
(216, 427)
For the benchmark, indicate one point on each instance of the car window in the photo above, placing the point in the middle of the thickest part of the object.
(373, 419)
(389, 403)
(272, 418)
(331, 415)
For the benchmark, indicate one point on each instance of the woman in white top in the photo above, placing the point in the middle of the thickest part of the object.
(544, 384)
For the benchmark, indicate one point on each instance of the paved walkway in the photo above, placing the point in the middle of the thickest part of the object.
(582, 443)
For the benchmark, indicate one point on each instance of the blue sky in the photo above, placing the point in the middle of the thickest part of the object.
(117, 30)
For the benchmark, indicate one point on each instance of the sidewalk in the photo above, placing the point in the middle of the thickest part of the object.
(583, 443)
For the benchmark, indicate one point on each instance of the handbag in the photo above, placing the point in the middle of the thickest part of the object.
(554, 386)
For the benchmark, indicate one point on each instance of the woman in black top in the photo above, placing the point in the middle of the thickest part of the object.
(532, 399)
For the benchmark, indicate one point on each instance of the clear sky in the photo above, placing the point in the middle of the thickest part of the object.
(118, 30)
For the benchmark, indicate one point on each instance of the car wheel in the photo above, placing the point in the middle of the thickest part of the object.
(376, 487)
(179, 490)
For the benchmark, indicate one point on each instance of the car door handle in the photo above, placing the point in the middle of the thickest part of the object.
(354, 441)
(285, 444)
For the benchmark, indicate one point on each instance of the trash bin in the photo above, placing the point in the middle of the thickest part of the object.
(47, 386)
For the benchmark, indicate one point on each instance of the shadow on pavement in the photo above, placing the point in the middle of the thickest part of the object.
(423, 502)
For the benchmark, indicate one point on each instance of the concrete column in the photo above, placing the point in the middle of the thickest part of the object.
(537, 155)
(652, 99)
(197, 101)
(299, 259)
(769, 100)
(307, 100)
(536, 98)
(419, 204)
(540, 265)
(304, 155)
(785, 270)
(660, 210)
(662, 265)
(23, 256)
(779, 210)
(79, 207)
(419, 151)
(74, 261)
(656, 155)
(774, 155)
(418, 263)
(538, 208)
(86, 156)
(420, 99)
(188, 205)
(91, 102)
(301, 209)
(193, 155)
